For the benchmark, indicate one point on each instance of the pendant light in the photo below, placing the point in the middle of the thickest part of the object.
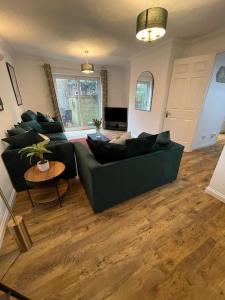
(86, 67)
(151, 24)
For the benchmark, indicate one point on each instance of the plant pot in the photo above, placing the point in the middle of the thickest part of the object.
(98, 134)
(43, 166)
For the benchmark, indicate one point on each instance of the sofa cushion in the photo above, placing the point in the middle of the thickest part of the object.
(140, 145)
(23, 140)
(144, 134)
(24, 125)
(32, 124)
(163, 138)
(51, 127)
(28, 115)
(15, 131)
(60, 136)
(162, 141)
(42, 118)
(105, 152)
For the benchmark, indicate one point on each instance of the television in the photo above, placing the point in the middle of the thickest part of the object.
(116, 118)
(115, 114)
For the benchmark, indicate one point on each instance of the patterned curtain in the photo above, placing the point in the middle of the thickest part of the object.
(104, 85)
(48, 73)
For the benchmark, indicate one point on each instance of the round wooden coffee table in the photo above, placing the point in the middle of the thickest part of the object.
(53, 188)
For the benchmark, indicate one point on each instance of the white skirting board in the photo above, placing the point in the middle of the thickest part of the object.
(6, 217)
(214, 193)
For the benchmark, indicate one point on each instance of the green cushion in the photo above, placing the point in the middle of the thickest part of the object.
(23, 140)
(162, 142)
(163, 138)
(28, 115)
(57, 136)
(32, 124)
(24, 126)
(15, 131)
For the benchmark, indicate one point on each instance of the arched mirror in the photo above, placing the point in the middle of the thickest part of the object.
(144, 91)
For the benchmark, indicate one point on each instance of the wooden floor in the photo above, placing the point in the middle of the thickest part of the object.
(166, 244)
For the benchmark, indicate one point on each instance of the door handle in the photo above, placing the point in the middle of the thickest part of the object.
(167, 114)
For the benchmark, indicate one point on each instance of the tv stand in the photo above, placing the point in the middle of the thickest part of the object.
(118, 126)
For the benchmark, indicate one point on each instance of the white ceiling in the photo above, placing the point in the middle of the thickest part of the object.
(62, 29)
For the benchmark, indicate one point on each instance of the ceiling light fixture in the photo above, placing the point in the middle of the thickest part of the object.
(86, 67)
(151, 24)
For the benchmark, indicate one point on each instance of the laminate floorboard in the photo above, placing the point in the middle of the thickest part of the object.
(166, 244)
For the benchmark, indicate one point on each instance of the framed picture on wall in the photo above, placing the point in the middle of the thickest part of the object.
(1, 105)
(16, 90)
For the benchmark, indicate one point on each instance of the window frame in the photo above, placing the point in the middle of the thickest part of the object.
(78, 78)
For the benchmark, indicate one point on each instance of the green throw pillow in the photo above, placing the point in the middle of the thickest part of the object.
(163, 141)
(23, 140)
(15, 131)
(163, 138)
(24, 126)
(32, 124)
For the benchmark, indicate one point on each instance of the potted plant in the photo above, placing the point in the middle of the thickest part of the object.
(97, 124)
(37, 150)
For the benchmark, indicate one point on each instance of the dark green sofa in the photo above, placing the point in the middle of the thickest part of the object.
(62, 150)
(112, 183)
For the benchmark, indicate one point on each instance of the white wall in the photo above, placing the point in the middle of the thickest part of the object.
(34, 88)
(118, 86)
(8, 117)
(211, 43)
(33, 85)
(216, 186)
(159, 62)
(213, 113)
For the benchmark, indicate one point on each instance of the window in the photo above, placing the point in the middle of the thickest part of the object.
(78, 100)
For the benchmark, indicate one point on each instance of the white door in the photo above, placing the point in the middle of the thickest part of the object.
(187, 91)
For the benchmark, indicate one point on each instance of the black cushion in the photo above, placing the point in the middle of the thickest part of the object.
(140, 145)
(15, 131)
(32, 124)
(51, 127)
(144, 134)
(28, 115)
(23, 140)
(42, 118)
(105, 152)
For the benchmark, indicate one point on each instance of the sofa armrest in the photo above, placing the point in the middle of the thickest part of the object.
(85, 165)
(51, 127)
(16, 167)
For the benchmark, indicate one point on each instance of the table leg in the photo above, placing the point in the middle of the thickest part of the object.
(59, 199)
(68, 182)
(28, 191)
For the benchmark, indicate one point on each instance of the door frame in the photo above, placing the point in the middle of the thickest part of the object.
(211, 56)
